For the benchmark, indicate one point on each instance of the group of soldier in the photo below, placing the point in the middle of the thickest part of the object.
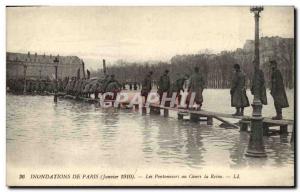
(33, 86)
(84, 87)
(196, 85)
(75, 86)
(239, 98)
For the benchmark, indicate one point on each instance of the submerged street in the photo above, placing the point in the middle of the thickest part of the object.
(41, 133)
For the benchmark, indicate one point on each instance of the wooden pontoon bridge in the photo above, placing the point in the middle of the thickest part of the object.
(197, 116)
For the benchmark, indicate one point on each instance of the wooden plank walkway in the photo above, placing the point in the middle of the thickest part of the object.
(208, 116)
(244, 122)
(225, 115)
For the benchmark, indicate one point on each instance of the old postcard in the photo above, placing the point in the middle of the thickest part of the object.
(150, 96)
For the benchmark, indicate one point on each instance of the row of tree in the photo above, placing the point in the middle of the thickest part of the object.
(216, 68)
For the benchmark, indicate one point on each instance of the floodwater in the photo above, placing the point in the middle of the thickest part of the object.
(41, 134)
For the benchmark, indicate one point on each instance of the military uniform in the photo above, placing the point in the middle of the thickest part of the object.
(239, 97)
(196, 85)
(146, 86)
(163, 85)
(278, 93)
(177, 87)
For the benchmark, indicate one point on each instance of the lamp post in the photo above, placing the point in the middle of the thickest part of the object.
(256, 145)
(25, 70)
(56, 61)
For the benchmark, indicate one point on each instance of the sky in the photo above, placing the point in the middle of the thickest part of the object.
(138, 33)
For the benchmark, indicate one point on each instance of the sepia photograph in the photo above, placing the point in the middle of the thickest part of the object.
(150, 96)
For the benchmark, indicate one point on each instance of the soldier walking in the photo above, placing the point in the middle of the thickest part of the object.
(163, 85)
(196, 86)
(177, 86)
(278, 91)
(147, 85)
(239, 98)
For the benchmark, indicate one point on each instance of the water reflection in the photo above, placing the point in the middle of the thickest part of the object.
(194, 145)
(147, 133)
(238, 150)
(110, 121)
(42, 133)
(280, 148)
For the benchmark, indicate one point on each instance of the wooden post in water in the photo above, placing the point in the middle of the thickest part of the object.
(154, 110)
(144, 110)
(209, 120)
(292, 137)
(244, 125)
(194, 117)
(136, 106)
(166, 112)
(180, 116)
(283, 129)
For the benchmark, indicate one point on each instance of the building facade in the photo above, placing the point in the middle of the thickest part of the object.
(41, 66)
